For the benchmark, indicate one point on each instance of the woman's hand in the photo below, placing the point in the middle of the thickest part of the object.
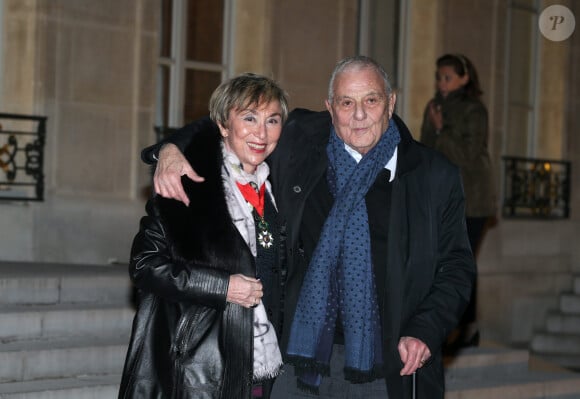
(244, 291)
(435, 115)
(170, 167)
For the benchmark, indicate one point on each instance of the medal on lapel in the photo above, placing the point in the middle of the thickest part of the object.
(255, 197)
(265, 238)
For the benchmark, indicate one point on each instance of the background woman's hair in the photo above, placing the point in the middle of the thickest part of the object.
(462, 65)
(242, 92)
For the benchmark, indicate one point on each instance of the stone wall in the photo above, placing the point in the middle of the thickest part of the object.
(307, 45)
(89, 67)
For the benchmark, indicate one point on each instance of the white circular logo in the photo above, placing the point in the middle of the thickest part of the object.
(557, 23)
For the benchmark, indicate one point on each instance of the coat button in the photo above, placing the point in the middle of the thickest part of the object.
(297, 189)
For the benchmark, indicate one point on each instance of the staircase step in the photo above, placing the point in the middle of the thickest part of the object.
(48, 283)
(508, 382)
(570, 303)
(568, 344)
(571, 362)
(563, 323)
(81, 387)
(484, 356)
(577, 285)
(64, 357)
(64, 330)
(42, 321)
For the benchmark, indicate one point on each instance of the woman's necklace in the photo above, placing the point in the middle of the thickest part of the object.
(256, 198)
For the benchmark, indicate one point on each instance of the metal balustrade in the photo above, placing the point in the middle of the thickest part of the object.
(536, 188)
(22, 141)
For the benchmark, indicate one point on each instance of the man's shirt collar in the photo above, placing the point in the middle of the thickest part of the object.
(391, 165)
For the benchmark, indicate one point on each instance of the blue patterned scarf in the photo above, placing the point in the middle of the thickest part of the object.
(340, 279)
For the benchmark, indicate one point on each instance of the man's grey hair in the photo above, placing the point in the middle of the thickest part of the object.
(358, 62)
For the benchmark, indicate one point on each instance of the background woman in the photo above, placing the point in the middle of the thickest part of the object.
(455, 122)
(202, 330)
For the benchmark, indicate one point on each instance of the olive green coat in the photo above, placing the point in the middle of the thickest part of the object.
(463, 140)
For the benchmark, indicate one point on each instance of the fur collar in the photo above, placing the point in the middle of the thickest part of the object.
(204, 231)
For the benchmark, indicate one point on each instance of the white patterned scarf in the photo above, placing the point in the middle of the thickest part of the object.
(267, 356)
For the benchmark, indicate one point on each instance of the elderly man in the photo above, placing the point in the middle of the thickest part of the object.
(379, 264)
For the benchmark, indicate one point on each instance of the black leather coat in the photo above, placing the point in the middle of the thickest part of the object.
(187, 341)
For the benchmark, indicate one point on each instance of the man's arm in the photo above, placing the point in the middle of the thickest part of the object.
(181, 138)
(171, 164)
(440, 311)
(167, 177)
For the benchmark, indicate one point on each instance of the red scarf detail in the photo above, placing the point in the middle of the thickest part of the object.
(254, 198)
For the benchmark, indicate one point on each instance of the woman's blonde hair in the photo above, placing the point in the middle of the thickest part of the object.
(243, 91)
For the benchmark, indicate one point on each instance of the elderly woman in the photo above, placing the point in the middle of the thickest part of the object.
(209, 274)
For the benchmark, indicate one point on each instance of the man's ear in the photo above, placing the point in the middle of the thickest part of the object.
(392, 102)
(328, 106)
(329, 109)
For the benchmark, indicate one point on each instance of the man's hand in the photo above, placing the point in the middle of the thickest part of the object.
(170, 167)
(414, 354)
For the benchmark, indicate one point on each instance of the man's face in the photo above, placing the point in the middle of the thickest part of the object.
(360, 108)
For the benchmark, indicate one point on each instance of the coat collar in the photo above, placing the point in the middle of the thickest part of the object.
(407, 158)
(204, 229)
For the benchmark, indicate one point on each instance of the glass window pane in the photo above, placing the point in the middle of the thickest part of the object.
(166, 28)
(198, 88)
(519, 136)
(383, 34)
(204, 30)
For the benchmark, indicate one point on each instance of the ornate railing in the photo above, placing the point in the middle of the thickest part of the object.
(22, 139)
(536, 188)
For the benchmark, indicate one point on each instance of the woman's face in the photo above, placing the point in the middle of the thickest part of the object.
(448, 80)
(252, 133)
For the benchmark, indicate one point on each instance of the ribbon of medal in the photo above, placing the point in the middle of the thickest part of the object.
(256, 198)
